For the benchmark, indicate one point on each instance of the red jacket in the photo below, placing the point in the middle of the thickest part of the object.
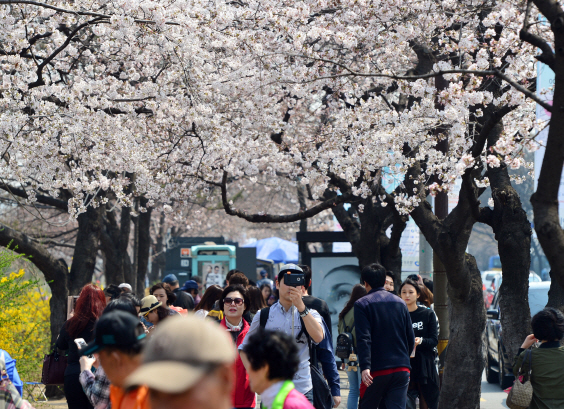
(242, 397)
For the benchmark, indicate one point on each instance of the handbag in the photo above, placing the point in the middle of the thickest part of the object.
(54, 366)
(521, 394)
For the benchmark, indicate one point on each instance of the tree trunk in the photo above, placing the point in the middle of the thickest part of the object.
(513, 232)
(114, 241)
(555, 295)
(158, 255)
(545, 199)
(367, 235)
(465, 356)
(143, 247)
(85, 250)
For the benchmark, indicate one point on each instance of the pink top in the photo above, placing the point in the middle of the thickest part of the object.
(296, 400)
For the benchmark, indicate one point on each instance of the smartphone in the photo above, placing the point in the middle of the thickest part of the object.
(81, 343)
(294, 279)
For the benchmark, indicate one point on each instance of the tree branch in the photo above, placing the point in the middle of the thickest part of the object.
(76, 12)
(47, 200)
(268, 218)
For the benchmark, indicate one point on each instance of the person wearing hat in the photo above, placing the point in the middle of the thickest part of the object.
(265, 280)
(183, 300)
(152, 311)
(125, 288)
(284, 316)
(118, 340)
(189, 364)
(191, 289)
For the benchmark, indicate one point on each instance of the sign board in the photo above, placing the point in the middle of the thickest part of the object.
(185, 253)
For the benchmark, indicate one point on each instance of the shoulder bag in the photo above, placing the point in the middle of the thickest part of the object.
(54, 366)
(521, 394)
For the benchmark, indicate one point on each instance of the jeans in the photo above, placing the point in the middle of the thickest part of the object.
(354, 388)
(309, 396)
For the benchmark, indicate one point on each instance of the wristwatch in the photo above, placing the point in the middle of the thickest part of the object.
(304, 312)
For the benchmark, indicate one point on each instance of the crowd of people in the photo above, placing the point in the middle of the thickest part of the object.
(179, 348)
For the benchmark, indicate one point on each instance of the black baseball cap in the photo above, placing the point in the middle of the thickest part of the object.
(115, 329)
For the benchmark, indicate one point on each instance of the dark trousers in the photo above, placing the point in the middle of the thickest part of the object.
(76, 398)
(389, 389)
(429, 392)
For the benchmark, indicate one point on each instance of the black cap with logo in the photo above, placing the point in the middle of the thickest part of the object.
(115, 329)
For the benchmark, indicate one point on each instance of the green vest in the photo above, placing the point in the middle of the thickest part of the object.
(280, 398)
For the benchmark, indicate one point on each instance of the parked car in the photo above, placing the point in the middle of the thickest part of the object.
(499, 368)
(494, 281)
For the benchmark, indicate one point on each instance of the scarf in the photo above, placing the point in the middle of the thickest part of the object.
(234, 328)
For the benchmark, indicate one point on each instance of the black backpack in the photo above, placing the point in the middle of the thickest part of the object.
(345, 344)
(322, 398)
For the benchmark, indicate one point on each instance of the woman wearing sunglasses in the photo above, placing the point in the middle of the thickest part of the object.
(234, 302)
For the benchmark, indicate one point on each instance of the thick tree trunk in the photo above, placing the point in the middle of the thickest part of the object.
(367, 235)
(545, 199)
(85, 250)
(513, 232)
(114, 241)
(465, 356)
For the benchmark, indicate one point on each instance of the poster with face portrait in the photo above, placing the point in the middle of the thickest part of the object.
(213, 273)
(333, 279)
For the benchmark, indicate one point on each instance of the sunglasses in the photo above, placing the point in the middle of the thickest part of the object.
(229, 301)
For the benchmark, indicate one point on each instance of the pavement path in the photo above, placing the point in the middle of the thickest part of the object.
(492, 396)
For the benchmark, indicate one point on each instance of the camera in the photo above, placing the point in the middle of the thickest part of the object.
(294, 279)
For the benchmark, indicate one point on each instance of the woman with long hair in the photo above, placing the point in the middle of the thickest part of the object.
(256, 299)
(211, 295)
(423, 378)
(346, 324)
(164, 294)
(266, 292)
(89, 306)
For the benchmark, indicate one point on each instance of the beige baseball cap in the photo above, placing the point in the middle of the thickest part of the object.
(180, 352)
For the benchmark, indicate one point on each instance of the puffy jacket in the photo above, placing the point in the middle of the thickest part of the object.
(243, 397)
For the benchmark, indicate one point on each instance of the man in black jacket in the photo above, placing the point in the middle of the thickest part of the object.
(385, 341)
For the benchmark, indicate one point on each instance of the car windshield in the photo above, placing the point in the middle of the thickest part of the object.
(489, 277)
(533, 278)
(538, 297)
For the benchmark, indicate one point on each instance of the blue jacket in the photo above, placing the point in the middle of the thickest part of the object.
(12, 371)
(384, 334)
(326, 357)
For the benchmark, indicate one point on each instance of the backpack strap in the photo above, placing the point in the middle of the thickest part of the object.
(264, 314)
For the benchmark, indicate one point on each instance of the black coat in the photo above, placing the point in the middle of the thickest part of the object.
(384, 336)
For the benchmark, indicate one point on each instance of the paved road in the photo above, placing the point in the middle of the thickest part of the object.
(493, 397)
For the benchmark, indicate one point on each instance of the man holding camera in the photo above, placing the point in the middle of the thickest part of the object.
(285, 316)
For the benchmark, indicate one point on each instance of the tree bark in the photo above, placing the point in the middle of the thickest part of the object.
(555, 295)
(85, 250)
(545, 199)
(143, 246)
(159, 260)
(464, 363)
(513, 232)
(114, 240)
